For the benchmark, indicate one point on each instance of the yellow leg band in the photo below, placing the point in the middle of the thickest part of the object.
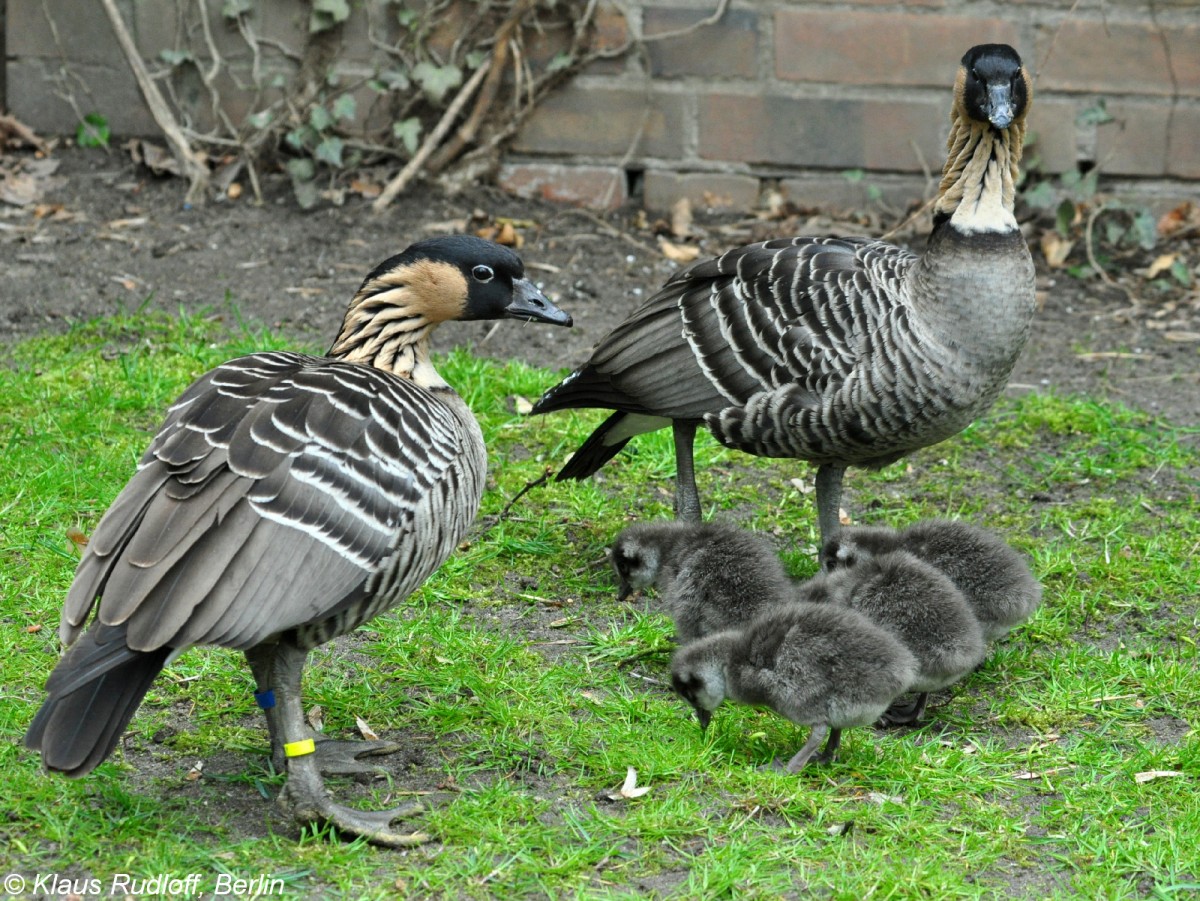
(299, 748)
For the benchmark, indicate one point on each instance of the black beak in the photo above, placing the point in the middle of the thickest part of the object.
(532, 305)
(1000, 109)
(704, 716)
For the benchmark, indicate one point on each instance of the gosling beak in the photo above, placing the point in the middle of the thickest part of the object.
(532, 305)
(704, 716)
(1000, 105)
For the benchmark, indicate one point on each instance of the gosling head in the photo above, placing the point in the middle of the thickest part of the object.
(636, 560)
(698, 674)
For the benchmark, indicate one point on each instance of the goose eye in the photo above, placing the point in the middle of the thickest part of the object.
(483, 273)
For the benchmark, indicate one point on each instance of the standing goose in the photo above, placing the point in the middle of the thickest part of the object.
(287, 500)
(839, 351)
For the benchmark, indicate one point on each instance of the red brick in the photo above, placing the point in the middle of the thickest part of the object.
(825, 133)
(727, 48)
(895, 192)
(1135, 142)
(905, 136)
(1052, 132)
(869, 47)
(1183, 155)
(599, 187)
(1119, 57)
(705, 190)
(605, 122)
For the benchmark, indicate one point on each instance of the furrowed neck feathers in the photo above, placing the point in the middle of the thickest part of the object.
(978, 186)
(391, 318)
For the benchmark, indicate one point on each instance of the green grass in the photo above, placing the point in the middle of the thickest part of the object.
(525, 690)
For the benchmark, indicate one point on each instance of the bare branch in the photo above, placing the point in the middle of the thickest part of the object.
(409, 172)
(196, 171)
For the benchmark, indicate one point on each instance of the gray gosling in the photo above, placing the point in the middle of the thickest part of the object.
(994, 577)
(921, 606)
(818, 665)
(710, 576)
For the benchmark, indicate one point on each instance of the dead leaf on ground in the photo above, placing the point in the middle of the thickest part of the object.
(316, 717)
(522, 405)
(154, 157)
(368, 189)
(802, 486)
(679, 253)
(1052, 771)
(1161, 264)
(681, 218)
(365, 730)
(1182, 337)
(1055, 249)
(36, 627)
(1150, 775)
(195, 772)
(1185, 215)
(77, 537)
(629, 788)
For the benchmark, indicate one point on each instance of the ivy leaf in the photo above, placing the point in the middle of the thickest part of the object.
(174, 57)
(1145, 229)
(301, 169)
(92, 131)
(437, 80)
(319, 118)
(345, 107)
(1041, 196)
(234, 8)
(327, 14)
(330, 151)
(395, 79)
(260, 120)
(408, 132)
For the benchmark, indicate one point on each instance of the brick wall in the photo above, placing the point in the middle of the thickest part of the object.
(795, 94)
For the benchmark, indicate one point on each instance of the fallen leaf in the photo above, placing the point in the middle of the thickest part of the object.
(1055, 249)
(1182, 337)
(678, 253)
(134, 222)
(1150, 775)
(367, 189)
(844, 518)
(234, 191)
(1178, 219)
(316, 717)
(154, 157)
(629, 788)
(365, 730)
(880, 798)
(802, 486)
(77, 537)
(590, 695)
(681, 217)
(34, 629)
(195, 772)
(1160, 265)
(522, 405)
(1053, 771)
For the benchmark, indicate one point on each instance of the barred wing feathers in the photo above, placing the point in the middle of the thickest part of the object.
(282, 490)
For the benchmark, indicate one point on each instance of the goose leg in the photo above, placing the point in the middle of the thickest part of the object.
(305, 795)
(687, 499)
(829, 500)
(831, 747)
(905, 713)
(797, 763)
(335, 757)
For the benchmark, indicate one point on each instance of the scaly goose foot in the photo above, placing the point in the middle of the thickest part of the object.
(343, 757)
(307, 800)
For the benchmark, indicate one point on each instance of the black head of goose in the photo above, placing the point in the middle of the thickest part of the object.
(838, 351)
(286, 500)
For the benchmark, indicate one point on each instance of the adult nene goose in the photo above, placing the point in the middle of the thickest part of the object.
(286, 500)
(839, 351)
